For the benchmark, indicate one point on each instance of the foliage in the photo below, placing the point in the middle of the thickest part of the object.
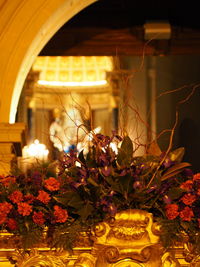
(69, 196)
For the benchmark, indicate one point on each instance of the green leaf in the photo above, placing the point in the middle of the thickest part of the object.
(91, 181)
(126, 183)
(125, 152)
(85, 211)
(127, 146)
(114, 184)
(81, 157)
(175, 193)
(154, 149)
(76, 202)
(177, 155)
(171, 172)
(65, 198)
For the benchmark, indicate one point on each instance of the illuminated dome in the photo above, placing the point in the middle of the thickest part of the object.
(73, 70)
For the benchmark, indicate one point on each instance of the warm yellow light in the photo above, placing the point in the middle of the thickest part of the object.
(35, 150)
(73, 71)
(66, 84)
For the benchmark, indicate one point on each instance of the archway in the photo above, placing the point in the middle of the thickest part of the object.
(25, 27)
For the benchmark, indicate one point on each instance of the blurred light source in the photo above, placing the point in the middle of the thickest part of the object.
(157, 30)
(35, 150)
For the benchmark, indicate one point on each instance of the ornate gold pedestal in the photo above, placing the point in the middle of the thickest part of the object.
(129, 240)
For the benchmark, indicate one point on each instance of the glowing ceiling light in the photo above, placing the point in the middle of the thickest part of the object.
(86, 83)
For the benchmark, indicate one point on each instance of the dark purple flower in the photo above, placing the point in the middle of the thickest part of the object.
(124, 172)
(112, 193)
(106, 171)
(152, 188)
(104, 159)
(101, 140)
(167, 199)
(167, 162)
(104, 201)
(37, 177)
(188, 172)
(82, 172)
(137, 185)
(112, 209)
(69, 159)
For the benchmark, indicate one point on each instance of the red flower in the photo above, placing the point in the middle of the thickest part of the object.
(5, 208)
(198, 192)
(11, 224)
(198, 222)
(60, 214)
(16, 196)
(44, 197)
(38, 217)
(52, 184)
(186, 214)
(172, 211)
(188, 199)
(24, 208)
(187, 185)
(196, 177)
(6, 181)
(3, 218)
(29, 198)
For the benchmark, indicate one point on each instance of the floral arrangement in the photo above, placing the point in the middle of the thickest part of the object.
(67, 197)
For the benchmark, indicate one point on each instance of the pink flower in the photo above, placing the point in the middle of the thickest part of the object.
(60, 214)
(44, 197)
(171, 211)
(52, 184)
(24, 209)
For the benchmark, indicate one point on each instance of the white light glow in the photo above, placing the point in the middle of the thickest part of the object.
(114, 147)
(36, 150)
(87, 83)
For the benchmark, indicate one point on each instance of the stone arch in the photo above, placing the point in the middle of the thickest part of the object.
(25, 27)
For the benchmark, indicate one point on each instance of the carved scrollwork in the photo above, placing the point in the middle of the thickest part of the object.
(85, 260)
(111, 254)
(130, 239)
(36, 259)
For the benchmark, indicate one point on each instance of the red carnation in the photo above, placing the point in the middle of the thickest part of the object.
(16, 196)
(3, 218)
(24, 209)
(52, 184)
(6, 181)
(198, 192)
(187, 185)
(5, 208)
(38, 217)
(188, 199)
(172, 211)
(60, 214)
(29, 198)
(44, 197)
(196, 177)
(11, 224)
(186, 214)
